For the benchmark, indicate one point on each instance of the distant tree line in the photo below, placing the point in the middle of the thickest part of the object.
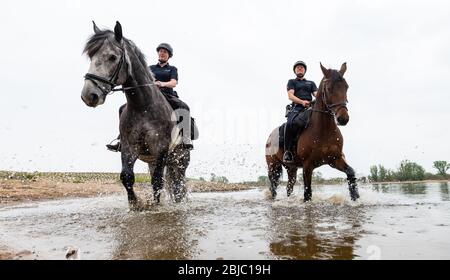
(218, 179)
(408, 171)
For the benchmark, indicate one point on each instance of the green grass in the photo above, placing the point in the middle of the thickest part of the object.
(69, 177)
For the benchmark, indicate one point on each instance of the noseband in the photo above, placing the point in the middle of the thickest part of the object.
(112, 82)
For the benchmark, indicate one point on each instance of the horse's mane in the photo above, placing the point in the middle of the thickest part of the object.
(95, 42)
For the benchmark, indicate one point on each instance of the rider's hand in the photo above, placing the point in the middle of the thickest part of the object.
(158, 83)
(306, 103)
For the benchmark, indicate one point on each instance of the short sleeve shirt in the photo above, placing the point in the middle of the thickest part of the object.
(165, 74)
(303, 89)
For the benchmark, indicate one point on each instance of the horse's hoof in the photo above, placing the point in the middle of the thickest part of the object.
(134, 205)
(132, 198)
(354, 196)
(289, 192)
(306, 198)
(178, 198)
(274, 194)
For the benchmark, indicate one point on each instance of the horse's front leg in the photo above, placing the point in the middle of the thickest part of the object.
(157, 176)
(307, 177)
(341, 165)
(127, 174)
(183, 160)
(292, 178)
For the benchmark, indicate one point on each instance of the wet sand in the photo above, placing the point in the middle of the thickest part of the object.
(395, 221)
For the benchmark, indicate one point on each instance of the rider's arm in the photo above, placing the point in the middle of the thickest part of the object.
(170, 84)
(314, 89)
(173, 79)
(291, 91)
(294, 98)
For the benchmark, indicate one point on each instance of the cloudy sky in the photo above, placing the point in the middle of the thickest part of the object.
(234, 60)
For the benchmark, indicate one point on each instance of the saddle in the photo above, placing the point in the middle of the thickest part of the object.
(303, 117)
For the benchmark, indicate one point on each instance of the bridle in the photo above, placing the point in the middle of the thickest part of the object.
(329, 108)
(112, 82)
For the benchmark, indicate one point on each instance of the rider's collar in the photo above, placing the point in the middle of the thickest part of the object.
(165, 64)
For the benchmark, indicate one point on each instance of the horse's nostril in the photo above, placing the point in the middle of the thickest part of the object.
(342, 121)
(94, 98)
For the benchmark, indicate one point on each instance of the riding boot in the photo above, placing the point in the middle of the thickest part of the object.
(187, 139)
(187, 143)
(288, 157)
(194, 130)
(114, 147)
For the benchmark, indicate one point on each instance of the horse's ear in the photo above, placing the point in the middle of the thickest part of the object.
(325, 71)
(343, 69)
(96, 29)
(118, 32)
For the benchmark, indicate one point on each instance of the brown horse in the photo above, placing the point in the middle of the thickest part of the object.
(321, 142)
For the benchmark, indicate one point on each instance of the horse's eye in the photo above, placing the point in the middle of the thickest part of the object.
(112, 58)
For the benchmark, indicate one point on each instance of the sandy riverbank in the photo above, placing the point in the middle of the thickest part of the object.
(18, 191)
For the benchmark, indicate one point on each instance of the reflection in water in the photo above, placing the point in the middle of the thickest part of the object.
(154, 235)
(413, 188)
(402, 188)
(315, 231)
(444, 191)
(398, 221)
(381, 187)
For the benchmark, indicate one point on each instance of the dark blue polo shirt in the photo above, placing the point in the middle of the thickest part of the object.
(303, 89)
(165, 74)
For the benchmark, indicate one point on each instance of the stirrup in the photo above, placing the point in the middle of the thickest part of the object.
(288, 157)
(114, 147)
(187, 144)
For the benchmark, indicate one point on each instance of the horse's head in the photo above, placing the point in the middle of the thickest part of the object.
(333, 91)
(109, 64)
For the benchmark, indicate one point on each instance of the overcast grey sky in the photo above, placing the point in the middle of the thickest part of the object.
(234, 60)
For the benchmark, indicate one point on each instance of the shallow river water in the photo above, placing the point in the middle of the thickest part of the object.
(396, 221)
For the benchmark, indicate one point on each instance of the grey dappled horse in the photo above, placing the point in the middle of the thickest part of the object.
(148, 125)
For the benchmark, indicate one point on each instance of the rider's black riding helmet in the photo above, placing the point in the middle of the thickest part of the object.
(167, 47)
(299, 63)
